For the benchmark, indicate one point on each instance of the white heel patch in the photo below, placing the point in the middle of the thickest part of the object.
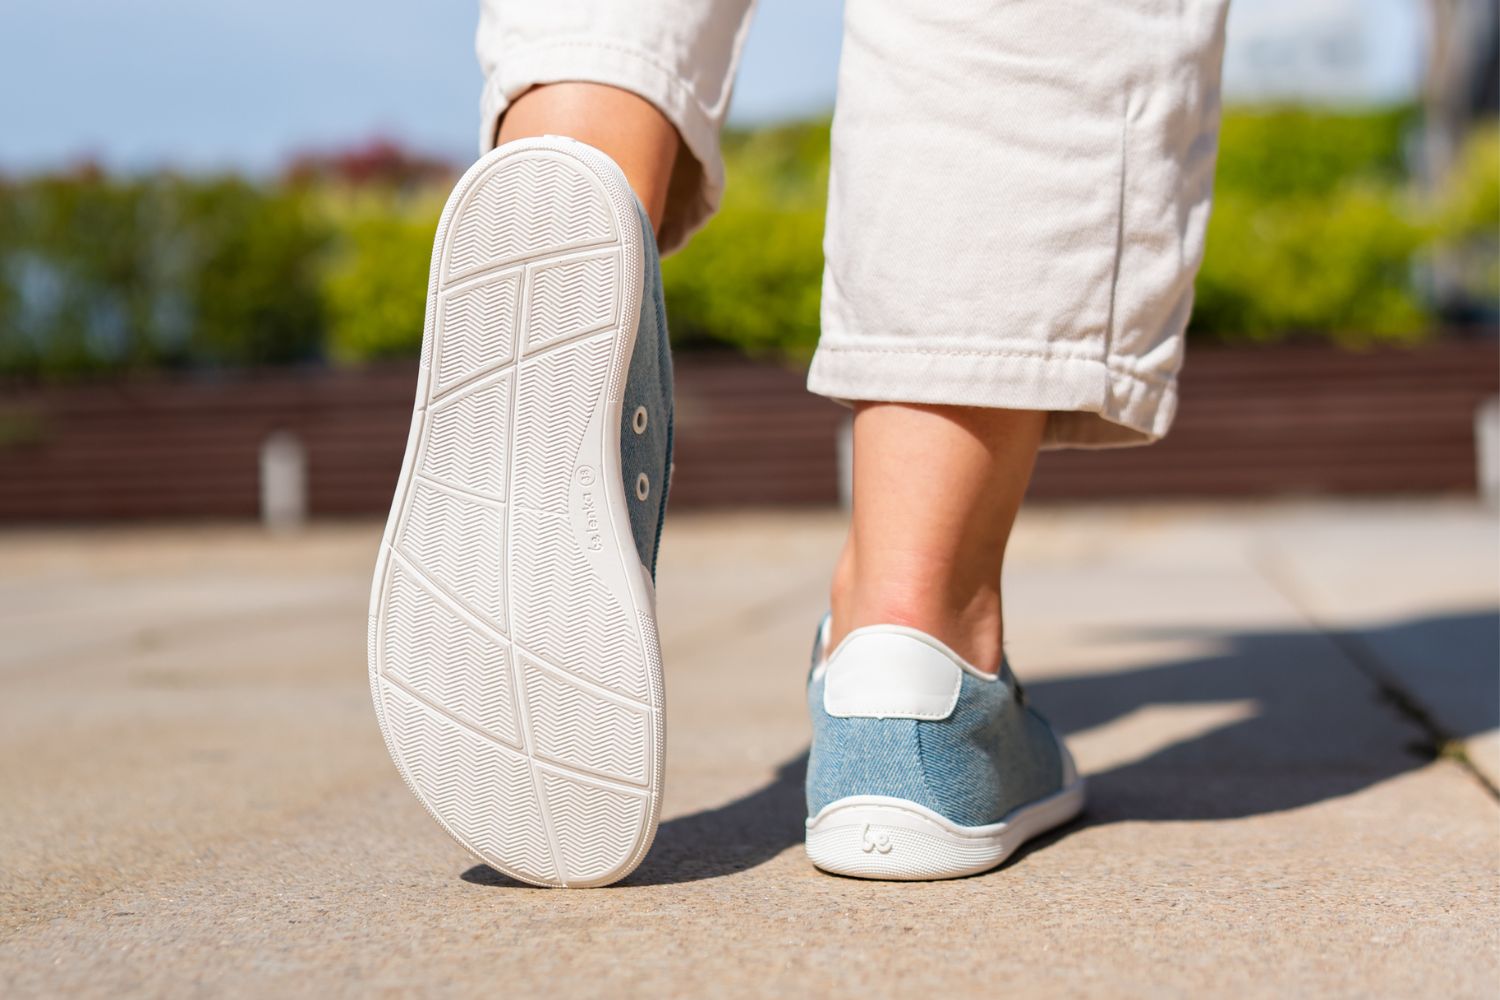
(886, 674)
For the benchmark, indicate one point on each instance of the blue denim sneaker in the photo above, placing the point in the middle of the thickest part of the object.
(513, 650)
(923, 767)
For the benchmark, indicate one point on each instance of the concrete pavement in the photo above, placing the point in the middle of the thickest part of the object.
(1287, 712)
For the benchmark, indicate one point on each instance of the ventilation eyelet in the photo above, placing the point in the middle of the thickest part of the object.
(642, 487)
(638, 421)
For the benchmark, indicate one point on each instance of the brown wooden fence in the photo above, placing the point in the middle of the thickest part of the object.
(1252, 422)
(1303, 420)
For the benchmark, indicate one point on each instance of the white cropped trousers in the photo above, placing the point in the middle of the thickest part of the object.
(1018, 196)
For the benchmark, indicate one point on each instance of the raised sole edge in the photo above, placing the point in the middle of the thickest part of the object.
(882, 837)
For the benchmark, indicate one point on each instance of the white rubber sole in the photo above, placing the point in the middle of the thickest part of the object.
(513, 652)
(876, 836)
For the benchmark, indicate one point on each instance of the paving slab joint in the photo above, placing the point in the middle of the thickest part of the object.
(1441, 744)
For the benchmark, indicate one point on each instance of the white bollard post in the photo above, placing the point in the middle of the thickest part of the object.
(283, 482)
(1487, 450)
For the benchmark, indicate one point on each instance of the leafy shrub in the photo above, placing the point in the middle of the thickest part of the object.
(1312, 231)
(1290, 151)
(1339, 265)
(250, 259)
(1467, 215)
(752, 278)
(1315, 231)
(375, 274)
(1470, 203)
(99, 274)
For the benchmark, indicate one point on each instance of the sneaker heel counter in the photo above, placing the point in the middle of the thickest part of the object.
(861, 756)
(868, 704)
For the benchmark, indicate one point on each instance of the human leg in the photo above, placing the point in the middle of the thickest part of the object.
(1016, 212)
(936, 490)
(514, 658)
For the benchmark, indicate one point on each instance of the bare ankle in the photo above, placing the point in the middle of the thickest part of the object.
(936, 490)
(967, 619)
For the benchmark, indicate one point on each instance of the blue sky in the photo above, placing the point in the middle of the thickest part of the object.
(243, 83)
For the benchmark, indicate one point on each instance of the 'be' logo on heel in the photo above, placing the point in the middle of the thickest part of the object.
(880, 842)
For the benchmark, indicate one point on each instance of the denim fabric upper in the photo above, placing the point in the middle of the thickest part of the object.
(648, 384)
(991, 755)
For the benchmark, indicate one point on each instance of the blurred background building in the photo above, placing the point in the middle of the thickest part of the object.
(215, 223)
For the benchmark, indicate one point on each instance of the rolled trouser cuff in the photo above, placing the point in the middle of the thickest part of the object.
(1089, 403)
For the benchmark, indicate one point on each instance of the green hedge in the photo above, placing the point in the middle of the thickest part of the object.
(376, 270)
(1468, 218)
(99, 273)
(1316, 231)
(1340, 266)
(1312, 231)
(752, 278)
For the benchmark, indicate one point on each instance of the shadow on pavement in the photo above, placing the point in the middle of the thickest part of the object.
(741, 834)
(1311, 736)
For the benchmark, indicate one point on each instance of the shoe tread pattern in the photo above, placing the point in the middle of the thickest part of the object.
(515, 689)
